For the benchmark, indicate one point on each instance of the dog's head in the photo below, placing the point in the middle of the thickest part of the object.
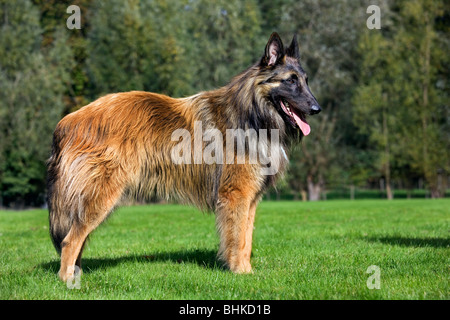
(286, 83)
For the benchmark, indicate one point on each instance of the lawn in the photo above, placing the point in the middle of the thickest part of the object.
(313, 250)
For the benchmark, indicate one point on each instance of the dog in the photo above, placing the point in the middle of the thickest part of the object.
(125, 144)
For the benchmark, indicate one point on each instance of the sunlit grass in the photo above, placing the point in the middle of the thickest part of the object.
(301, 250)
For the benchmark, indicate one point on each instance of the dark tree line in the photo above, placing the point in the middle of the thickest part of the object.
(384, 91)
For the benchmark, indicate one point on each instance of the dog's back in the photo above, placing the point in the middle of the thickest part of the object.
(117, 145)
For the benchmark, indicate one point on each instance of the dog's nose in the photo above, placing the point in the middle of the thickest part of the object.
(315, 109)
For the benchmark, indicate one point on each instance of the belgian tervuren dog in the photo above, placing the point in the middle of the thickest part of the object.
(131, 143)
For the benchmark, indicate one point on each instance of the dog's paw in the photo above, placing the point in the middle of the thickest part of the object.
(70, 273)
(242, 268)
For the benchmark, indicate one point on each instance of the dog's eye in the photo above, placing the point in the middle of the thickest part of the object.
(291, 80)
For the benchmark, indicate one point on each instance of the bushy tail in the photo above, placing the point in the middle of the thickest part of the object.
(60, 220)
(57, 232)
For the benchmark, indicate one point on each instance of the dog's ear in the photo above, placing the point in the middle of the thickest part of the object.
(274, 52)
(293, 51)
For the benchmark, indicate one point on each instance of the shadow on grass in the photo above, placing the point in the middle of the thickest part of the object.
(204, 258)
(412, 242)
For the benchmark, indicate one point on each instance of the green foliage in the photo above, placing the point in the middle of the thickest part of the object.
(32, 81)
(119, 45)
(160, 46)
(225, 42)
(327, 35)
(399, 101)
(384, 92)
(53, 17)
(425, 102)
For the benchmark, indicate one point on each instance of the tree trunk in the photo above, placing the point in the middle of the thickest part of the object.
(389, 192)
(387, 161)
(304, 195)
(429, 168)
(314, 189)
(435, 193)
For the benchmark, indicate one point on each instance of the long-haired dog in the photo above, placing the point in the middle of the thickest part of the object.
(126, 143)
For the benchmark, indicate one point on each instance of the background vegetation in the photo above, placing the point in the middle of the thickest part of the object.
(385, 124)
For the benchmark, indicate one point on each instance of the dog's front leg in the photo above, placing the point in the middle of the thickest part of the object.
(233, 221)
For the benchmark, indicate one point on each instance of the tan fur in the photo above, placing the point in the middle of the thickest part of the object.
(121, 144)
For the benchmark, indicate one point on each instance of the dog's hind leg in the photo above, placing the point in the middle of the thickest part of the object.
(96, 210)
(73, 243)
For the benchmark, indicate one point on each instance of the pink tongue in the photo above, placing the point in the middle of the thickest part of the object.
(306, 129)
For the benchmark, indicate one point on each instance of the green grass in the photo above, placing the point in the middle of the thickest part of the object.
(301, 250)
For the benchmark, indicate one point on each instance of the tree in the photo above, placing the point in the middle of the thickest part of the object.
(225, 38)
(328, 55)
(373, 100)
(30, 101)
(314, 160)
(398, 102)
(423, 50)
(119, 47)
(136, 45)
(53, 17)
(173, 65)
